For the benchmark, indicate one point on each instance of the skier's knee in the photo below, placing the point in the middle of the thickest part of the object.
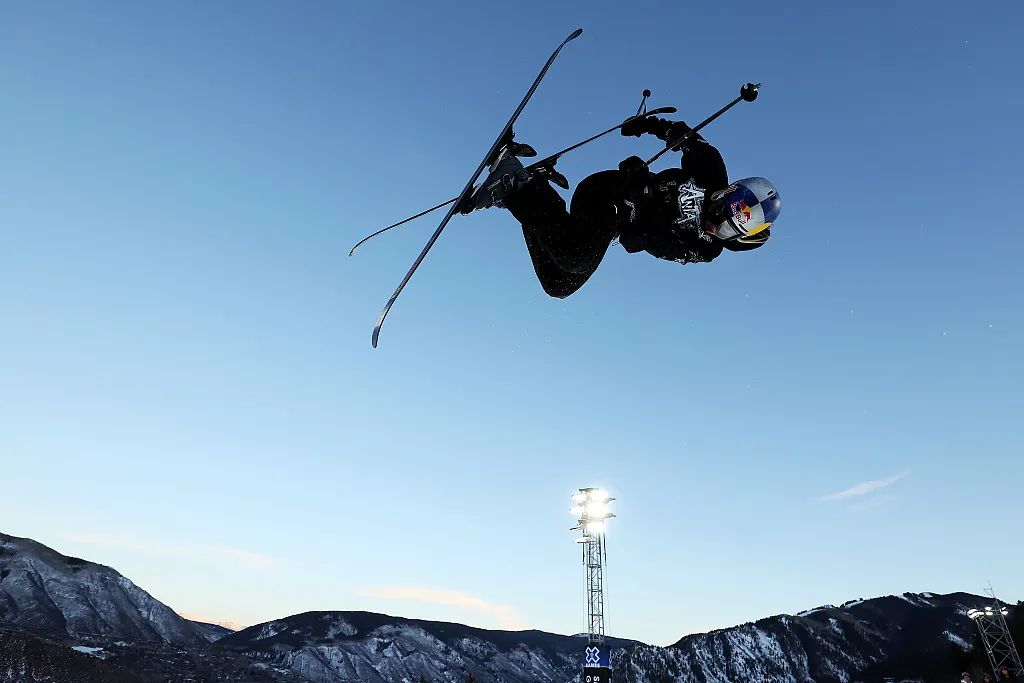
(535, 200)
(600, 185)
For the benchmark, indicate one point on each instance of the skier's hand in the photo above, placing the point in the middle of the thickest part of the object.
(635, 126)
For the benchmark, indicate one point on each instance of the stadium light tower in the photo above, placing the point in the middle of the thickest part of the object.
(995, 634)
(592, 515)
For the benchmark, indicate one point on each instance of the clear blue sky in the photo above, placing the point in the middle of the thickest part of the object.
(187, 388)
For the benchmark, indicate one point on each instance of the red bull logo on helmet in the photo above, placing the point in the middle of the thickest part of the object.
(740, 212)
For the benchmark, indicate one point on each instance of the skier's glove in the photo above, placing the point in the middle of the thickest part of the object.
(635, 126)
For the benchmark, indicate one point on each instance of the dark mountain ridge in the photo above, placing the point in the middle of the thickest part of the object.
(45, 592)
(299, 628)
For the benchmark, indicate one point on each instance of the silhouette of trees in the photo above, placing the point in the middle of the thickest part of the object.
(1016, 624)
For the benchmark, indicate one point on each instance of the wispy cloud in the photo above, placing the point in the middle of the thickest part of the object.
(507, 616)
(863, 488)
(234, 557)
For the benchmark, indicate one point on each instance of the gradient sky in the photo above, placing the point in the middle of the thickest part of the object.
(187, 388)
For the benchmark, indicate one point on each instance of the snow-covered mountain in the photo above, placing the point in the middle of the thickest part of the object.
(325, 647)
(51, 605)
(911, 635)
(210, 632)
(53, 595)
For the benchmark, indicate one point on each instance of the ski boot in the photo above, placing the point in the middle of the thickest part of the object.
(506, 175)
(548, 172)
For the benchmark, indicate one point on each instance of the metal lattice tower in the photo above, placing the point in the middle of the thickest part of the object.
(592, 513)
(995, 635)
(593, 558)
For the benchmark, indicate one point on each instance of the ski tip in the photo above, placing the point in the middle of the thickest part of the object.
(576, 34)
(357, 245)
(380, 323)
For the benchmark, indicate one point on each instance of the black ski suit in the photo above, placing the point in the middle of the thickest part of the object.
(660, 213)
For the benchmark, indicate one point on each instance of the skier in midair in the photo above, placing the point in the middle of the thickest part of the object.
(688, 214)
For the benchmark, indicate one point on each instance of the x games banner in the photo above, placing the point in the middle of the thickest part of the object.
(597, 664)
(595, 656)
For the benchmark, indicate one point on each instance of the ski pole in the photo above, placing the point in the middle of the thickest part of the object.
(643, 103)
(395, 225)
(747, 93)
(554, 157)
(546, 160)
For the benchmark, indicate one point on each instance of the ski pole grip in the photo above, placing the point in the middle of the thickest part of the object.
(748, 92)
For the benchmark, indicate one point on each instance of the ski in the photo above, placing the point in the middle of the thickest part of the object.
(550, 159)
(491, 153)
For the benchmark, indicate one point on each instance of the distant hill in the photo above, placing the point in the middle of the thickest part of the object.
(211, 632)
(54, 595)
(336, 646)
(914, 635)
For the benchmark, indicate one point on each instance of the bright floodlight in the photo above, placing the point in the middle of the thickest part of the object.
(592, 506)
(594, 527)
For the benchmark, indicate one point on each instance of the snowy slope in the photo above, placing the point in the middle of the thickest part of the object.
(362, 646)
(54, 595)
(210, 632)
(909, 635)
(24, 657)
